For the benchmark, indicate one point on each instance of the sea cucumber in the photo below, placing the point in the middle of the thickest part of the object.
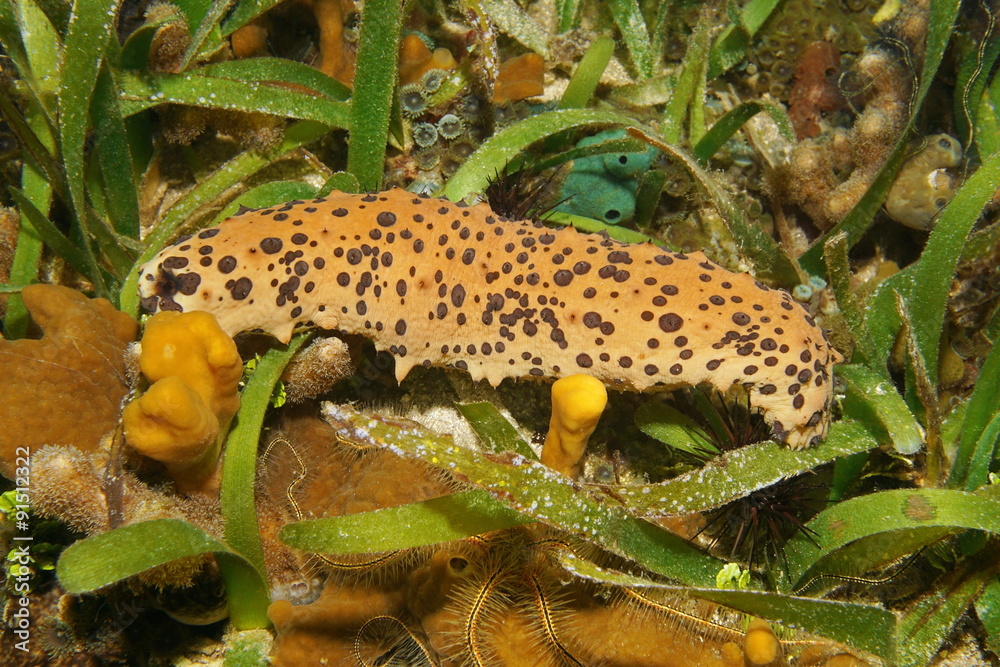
(443, 284)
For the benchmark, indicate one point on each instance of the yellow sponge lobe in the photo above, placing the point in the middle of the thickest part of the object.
(193, 347)
(195, 371)
(761, 646)
(577, 404)
(170, 423)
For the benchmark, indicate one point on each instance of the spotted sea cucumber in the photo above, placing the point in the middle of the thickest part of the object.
(442, 284)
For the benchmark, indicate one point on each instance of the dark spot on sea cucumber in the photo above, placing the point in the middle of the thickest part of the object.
(227, 264)
(670, 322)
(241, 288)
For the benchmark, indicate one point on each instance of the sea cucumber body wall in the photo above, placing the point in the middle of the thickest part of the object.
(437, 283)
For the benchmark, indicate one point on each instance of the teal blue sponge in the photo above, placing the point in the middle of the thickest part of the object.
(603, 186)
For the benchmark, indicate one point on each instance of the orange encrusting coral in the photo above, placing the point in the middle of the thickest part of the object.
(290, 487)
(194, 348)
(250, 40)
(67, 387)
(171, 423)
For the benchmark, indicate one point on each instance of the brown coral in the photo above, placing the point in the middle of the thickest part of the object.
(500, 598)
(65, 388)
(503, 599)
(250, 40)
(353, 480)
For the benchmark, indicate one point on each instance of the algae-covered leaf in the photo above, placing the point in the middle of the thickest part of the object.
(988, 119)
(932, 278)
(141, 92)
(514, 21)
(344, 181)
(494, 154)
(101, 560)
(497, 434)
(865, 627)
(587, 74)
(240, 460)
(671, 427)
(839, 274)
(766, 256)
(278, 70)
(205, 38)
(591, 226)
(91, 26)
(978, 441)
(443, 519)
(115, 157)
(236, 495)
(34, 132)
(983, 455)
(691, 81)
(28, 253)
(647, 197)
(606, 147)
(537, 492)
(875, 396)
(973, 73)
(732, 121)
(737, 473)
(243, 12)
(729, 47)
(925, 626)
(52, 237)
(883, 514)
(374, 85)
(632, 25)
(568, 12)
(882, 317)
(42, 44)
(988, 611)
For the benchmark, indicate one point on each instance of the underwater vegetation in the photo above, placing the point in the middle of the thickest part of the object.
(381, 334)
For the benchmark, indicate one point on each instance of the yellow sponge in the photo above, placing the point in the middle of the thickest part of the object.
(577, 404)
(193, 347)
(170, 423)
(181, 421)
